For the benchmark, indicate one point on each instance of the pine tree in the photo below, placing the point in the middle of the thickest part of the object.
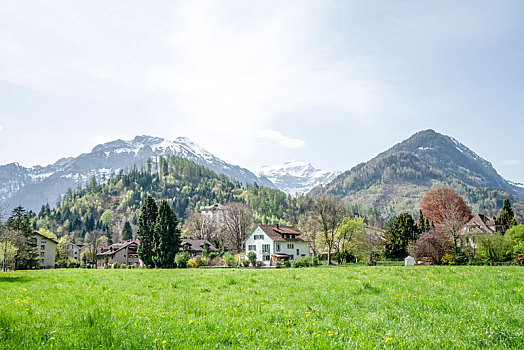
(507, 218)
(402, 232)
(127, 232)
(20, 224)
(146, 226)
(166, 236)
(421, 222)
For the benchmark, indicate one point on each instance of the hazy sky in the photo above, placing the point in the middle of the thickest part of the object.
(329, 82)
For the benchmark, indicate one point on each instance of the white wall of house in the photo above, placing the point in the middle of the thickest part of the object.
(264, 247)
(256, 243)
(294, 249)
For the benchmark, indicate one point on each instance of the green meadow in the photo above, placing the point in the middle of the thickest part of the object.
(357, 307)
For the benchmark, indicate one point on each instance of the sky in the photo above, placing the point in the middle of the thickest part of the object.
(262, 82)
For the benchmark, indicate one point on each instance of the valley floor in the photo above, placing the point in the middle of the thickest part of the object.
(331, 308)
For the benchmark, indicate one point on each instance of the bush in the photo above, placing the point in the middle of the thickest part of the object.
(72, 263)
(304, 261)
(245, 262)
(131, 266)
(252, 257)
(213, 255)
(447, 259)
(194, 262)
(279, 264)
(229, 260)
(259, 264)
(314, 261)
(123, 266)
(181, 259)
(82, 264)
(107, 266)
(116, 265)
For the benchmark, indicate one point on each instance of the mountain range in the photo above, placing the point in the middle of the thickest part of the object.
(296, 177)
(393, 181)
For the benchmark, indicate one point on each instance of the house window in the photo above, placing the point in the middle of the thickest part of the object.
(255, 237)
(252, 248)
(265, 248)
(298, 252)
(277, 248)
(266, 258)
(290, 246)
(42, 247)
(291, 257)
(42, 261)
(43, 240)
(42, 254)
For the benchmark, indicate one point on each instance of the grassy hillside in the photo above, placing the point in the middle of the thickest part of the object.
(315, 308)
(186, 185)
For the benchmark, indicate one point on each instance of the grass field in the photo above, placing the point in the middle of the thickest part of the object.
(339, 308)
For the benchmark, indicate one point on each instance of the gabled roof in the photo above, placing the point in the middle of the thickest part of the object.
(283, 233)
(49, 239)
(482, 223)
(116, 247)
(197, 245)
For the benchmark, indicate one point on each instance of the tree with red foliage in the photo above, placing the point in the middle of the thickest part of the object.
(447, 210)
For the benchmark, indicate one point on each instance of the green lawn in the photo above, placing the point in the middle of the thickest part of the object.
(340, 308)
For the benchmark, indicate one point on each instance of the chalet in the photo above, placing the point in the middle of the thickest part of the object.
(46, 249)
(121, 252)
(195, 247)
(277, 243)
(480, 223)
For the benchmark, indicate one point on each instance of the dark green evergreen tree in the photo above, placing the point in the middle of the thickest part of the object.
(402, 232)
(146, 227)
(20, 224)
(166, 236)
(507, 218)
(421, 222)
(127, 232)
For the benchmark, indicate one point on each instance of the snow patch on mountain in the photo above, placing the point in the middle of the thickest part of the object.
(295, 177)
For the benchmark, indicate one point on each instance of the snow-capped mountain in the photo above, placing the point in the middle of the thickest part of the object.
(295, 177)
(32, 187)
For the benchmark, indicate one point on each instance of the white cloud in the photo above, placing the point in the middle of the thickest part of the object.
(509, 162)
(278, 137)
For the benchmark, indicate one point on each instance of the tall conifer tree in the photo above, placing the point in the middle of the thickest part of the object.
(127, 232)
(146, 226)
(507, 218)
(166, 236)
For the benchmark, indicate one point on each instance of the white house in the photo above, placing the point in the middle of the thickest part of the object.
(276, 243)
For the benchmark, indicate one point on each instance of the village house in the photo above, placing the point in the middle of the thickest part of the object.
(46, 249)
(195, 247)
(121, 252)
(276, 243)
(73, 251)
(212, 211)
(480, 223)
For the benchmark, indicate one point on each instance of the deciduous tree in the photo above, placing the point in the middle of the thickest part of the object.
(447, 209)
(237, 222)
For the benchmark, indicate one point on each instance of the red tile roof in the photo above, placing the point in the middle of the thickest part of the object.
(283, 233)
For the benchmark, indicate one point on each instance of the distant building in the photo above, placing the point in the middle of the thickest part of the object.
(480, 223)
(121, 252)
(73, 251)
(277, 243)
(195, 247)
(46, 249)
(213, 211)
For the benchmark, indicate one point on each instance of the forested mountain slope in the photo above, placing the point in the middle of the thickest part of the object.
(185, 184)
(396, 180)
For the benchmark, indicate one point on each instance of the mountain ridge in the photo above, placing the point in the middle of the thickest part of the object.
(37, 185)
